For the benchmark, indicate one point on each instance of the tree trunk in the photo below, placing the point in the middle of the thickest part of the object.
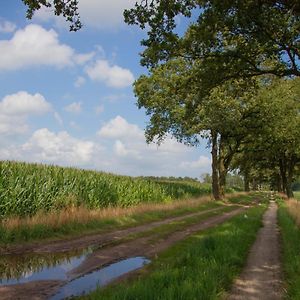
(282, 167)
(246, 181)
(279, 183)
(214, 165)
(290, 174)
(222, 171)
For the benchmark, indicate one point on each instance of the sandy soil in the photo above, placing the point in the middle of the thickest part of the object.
(147, 246)
(261, 277)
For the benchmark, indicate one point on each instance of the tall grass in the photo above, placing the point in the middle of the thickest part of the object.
(288, 219)
(26, 189)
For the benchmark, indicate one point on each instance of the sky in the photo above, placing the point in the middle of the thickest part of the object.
(66, 98)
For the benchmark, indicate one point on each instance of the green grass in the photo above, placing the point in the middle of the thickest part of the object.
(297, 195)
(202, 266)
(290, 233)
(27, 188)
(43, 231)
(164, 230)
(251, 198)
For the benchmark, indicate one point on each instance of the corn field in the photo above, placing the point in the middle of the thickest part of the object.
(27, 188)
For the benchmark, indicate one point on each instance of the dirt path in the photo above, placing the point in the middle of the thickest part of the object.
(98, 239)
(147, 246)
(261, 278)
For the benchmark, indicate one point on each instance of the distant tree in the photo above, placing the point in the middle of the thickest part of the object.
(206, 178)
(67, 8)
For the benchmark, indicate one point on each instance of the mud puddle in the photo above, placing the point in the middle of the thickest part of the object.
(17, 269)
(91, 281)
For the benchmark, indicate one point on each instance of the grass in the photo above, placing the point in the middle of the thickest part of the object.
(26, 189)
(76, 221)
(249, 198)
(288, 218)
(202, 266)
(297, 195)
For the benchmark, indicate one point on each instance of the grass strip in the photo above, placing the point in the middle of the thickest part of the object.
(290, 234)
(38, 232)
(202, 266)
(165, 230)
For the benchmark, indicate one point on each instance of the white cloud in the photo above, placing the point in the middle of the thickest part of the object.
(202, 162)
(16, 108)
(131, 154)
(47, 146)
(36, 46)
(121, 150)
(112, 76)
(83, 58)
(6, 26)
(104, 14)
(79, 81)
(100, 14)
(23, 103)
(119, 128)
(74, 107)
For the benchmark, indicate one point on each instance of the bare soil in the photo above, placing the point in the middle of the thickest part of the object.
(147, 246)
(261, 277)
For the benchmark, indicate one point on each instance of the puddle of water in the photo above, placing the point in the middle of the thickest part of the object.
(27, 268)
(90, 282)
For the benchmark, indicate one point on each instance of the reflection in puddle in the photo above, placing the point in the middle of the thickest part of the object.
(90, 282)
(16, 269)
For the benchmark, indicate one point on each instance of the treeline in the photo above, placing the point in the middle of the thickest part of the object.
(231, 75)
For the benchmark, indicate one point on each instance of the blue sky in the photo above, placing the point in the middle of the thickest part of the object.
(66, 98)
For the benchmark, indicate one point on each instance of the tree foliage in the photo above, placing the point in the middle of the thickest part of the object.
(67, 8)
(233, 39)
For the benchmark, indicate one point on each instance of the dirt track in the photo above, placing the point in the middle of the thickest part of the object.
(261, 277)
(147, 246)
(84, 241)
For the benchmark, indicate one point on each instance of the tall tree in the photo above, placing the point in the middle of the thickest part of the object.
(174, 99)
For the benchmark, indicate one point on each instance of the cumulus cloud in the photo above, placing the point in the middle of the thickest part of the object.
(131, 154)
(112, 75)
(47, 146)
(119, 128)
(6, 26)
(16, 108)
(99, 14)
(202, 162)
(104, 14)
(74, 108)
(36, 46)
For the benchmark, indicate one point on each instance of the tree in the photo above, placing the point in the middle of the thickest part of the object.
(233, 39)
(273, 153)
(174, 99)
(67, 8)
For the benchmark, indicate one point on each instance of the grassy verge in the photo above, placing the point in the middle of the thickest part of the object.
(202, 266)
(88, 221)
(250, 198)
(290, 233)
